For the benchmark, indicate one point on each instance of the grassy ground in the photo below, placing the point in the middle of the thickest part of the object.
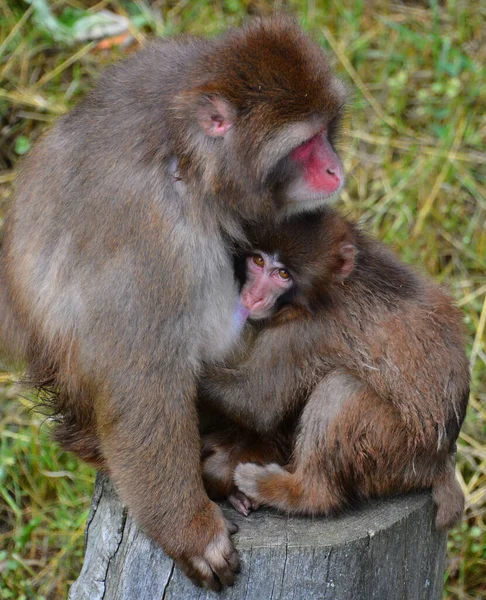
(416, 161)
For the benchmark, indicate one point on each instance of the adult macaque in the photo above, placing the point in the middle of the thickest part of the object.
(118, 263)
(372, 353)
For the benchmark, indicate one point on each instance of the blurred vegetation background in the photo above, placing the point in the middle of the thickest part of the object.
(415, 148)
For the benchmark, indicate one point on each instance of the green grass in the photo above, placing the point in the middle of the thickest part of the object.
(415, 148)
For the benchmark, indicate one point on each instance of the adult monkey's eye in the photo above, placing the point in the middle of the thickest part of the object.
(284, 274)
(258, 260)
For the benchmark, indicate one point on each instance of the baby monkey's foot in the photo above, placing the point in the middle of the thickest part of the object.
(253, 479)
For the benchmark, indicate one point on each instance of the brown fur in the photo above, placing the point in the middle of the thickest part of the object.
(117, 275)
(378, 364)
(225, 445)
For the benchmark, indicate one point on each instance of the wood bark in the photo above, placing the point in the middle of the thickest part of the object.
(387, 550)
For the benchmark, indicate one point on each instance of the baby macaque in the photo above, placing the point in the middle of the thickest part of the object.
(369, 355)
(266, 281)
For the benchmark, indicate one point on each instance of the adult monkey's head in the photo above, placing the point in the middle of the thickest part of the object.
(260, 120)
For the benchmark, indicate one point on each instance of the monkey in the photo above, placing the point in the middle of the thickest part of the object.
(370, 352)
(266, 281)
(117, 261)
(265, 284)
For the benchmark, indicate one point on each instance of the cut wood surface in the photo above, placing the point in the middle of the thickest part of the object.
(388, 550)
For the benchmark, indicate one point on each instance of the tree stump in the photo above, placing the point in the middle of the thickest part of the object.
(388, 550)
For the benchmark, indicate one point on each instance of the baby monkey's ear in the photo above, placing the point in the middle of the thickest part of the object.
(345, 261)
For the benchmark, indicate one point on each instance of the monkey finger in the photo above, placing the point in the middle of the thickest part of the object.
(223, 573)
(202, 574)
(218, 565)
(228, 572)
(206, 579)
(232, 527)
(241, 502)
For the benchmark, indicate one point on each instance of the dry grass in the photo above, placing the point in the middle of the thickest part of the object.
(416, 158)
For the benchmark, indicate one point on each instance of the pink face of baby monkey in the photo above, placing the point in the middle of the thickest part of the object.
(266, 280)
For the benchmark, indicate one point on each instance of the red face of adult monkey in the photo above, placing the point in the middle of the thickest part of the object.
(370, 353)
(117, 272)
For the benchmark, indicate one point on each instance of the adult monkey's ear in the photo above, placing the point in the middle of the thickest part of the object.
(214, 115)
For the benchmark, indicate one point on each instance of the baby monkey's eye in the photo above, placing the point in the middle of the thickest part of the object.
(258, 260)
(284, 274)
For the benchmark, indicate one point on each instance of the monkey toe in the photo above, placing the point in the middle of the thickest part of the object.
(241, 503)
